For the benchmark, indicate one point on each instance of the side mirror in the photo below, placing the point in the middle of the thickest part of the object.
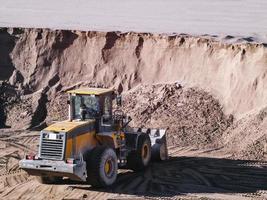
(118, 100)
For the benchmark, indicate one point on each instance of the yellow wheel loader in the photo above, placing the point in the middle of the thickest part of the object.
(94, 142)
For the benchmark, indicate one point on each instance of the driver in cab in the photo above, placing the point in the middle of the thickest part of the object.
(85, 111)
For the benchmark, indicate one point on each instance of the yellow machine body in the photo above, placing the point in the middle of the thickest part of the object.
(92, 125)
(81, 136)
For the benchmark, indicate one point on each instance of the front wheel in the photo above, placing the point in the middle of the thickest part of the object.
(140, 158)
(102, 166)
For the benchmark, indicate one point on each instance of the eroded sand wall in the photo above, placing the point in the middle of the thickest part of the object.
(234, 73)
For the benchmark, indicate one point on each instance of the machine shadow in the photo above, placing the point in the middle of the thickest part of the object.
(181, 175)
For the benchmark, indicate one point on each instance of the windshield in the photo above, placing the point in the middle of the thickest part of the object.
(87, 104)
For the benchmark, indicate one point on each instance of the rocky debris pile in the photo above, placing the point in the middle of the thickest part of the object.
(247, 137)
(21, 109)
(193, 117)
(8, 96)
(57, 108)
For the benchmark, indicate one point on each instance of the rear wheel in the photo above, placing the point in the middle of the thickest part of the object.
(140, 158)
(102, 166)
(159, 152)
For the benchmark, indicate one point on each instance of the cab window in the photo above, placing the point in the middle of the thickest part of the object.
(88, 102)
(107, 115)
(107, 106)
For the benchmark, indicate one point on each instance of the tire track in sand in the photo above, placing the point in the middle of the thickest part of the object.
(181, 175)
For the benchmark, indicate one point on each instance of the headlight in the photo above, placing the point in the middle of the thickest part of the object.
(45, 135)
(59, 136)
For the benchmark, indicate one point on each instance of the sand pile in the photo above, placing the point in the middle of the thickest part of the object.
(247, 137)
(20, 110)
(193, 117)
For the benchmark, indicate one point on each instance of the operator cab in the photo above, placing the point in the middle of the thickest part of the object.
(92, 104)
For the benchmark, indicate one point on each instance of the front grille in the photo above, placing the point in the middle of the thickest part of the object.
(52, 148)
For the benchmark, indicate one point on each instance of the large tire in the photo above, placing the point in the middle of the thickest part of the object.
(159, 152)
(102, 166)
(140, 158)
(49, 179)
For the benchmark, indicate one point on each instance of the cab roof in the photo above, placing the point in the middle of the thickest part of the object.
(90, 91)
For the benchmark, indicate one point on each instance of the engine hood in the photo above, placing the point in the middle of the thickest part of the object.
(68, 126)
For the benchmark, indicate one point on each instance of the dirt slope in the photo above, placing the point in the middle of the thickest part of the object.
(46, 58)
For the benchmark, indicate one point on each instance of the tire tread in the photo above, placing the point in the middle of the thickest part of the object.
(134, 159)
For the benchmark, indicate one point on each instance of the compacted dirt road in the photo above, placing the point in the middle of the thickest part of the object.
(188, 174)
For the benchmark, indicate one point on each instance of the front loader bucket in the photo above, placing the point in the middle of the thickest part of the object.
(158, 142)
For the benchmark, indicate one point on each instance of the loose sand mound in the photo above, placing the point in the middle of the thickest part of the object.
(193, 117)
(247, 138)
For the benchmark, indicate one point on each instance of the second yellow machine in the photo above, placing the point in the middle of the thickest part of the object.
(94, 142)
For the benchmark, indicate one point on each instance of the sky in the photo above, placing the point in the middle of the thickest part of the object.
(233, 17)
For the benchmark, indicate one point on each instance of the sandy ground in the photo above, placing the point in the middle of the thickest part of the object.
(238, 18)
(190, 173)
